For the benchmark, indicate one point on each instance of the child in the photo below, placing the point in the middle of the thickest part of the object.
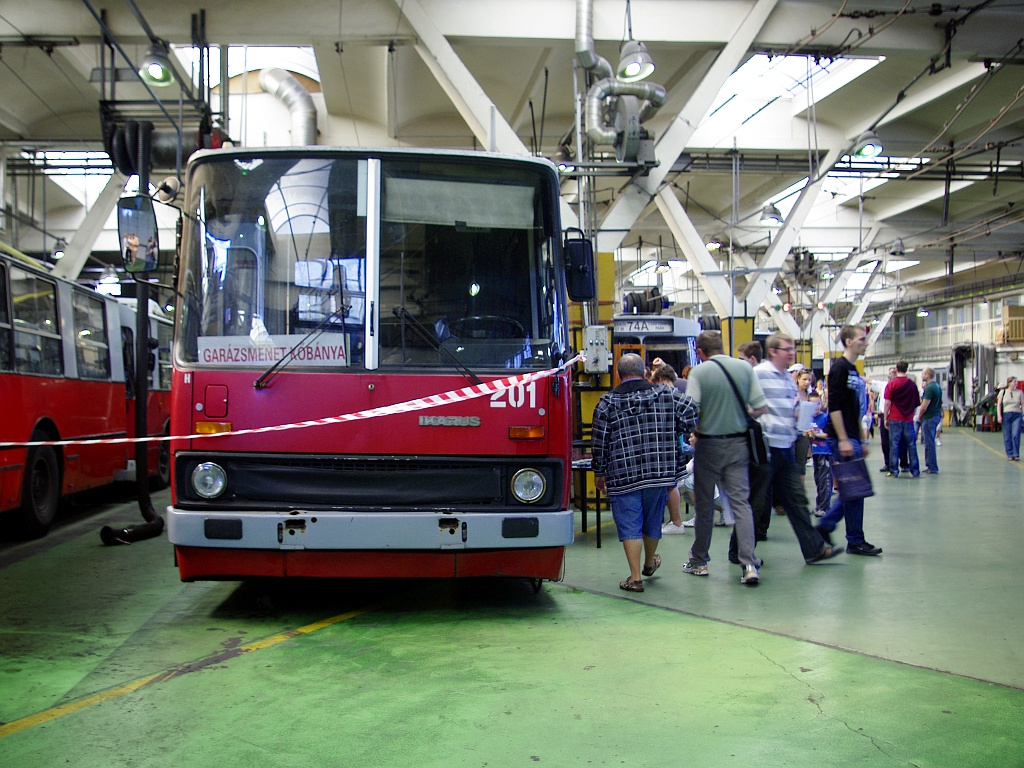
(821, 458)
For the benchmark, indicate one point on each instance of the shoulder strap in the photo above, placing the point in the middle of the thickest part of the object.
(735, 389)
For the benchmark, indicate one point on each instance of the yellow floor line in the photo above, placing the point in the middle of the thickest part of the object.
(120, 690)
(985, 445)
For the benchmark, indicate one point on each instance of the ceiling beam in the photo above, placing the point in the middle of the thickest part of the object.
(719, 292)
(80, 246)
(775, 257)
(885, 208)
(11, 122)
(941, 85)
(474, 105)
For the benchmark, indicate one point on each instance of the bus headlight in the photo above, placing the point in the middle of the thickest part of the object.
(528, 485)
(209, 480)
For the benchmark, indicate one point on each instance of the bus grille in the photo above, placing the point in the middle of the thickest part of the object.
(386, 483)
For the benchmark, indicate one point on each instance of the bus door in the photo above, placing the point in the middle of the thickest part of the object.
(618, 350)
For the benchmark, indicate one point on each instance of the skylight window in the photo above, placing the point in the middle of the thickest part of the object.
(767, 78)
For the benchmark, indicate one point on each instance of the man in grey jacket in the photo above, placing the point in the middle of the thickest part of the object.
(637, 458)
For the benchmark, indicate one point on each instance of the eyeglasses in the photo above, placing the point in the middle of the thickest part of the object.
(785, 349)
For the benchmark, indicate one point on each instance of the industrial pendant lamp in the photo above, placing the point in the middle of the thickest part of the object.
(563, 159)
(635, 63)
(868, 146)
(156, 67)
(663, 265)
(771, 216)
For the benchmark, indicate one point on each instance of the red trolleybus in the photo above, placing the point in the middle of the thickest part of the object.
(320, 282)
(64, 352)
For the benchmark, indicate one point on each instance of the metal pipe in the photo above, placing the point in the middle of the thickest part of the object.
(585, 41)
(282, 85)
(607, 86)
(653, 95)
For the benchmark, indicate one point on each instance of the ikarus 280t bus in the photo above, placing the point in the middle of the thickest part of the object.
(317, 283)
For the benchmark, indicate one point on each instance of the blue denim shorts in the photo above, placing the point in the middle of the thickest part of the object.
(639, 513)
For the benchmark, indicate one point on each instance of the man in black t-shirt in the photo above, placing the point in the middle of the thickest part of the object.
(847, 404)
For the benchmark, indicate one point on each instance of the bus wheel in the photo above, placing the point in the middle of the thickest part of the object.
(40, 492)
(163, 467)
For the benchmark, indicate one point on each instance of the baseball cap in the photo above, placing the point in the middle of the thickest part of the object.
(796, 367)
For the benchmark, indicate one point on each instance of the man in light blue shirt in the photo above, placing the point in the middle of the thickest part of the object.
(779, 425)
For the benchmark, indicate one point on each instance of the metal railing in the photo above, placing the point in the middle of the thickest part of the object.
(941, 339)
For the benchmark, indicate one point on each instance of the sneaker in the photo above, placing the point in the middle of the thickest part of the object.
(864, 549)
(938, 441)
(892, 474)
(690, 523)
(749, 577)
(826, 554)
(826, 535)
(697, 569)
(720, 522)
(671, 528)
(929, 471)
(820, 512)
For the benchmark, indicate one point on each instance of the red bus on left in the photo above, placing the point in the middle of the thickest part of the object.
(67, 357)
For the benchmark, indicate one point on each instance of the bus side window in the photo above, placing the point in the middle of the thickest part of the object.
(90, 325)
(5, 323)
(37, 345)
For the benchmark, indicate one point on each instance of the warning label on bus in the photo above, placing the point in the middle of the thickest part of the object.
(321, 352)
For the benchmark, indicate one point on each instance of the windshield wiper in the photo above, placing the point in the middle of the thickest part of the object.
(428, 337)
(268, 374)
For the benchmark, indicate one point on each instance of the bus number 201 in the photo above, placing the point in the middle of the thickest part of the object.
(517, 396)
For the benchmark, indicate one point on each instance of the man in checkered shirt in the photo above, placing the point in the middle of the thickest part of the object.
(637, 458)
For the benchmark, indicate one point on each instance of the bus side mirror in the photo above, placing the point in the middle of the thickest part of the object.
(579, 267)
(137, 233)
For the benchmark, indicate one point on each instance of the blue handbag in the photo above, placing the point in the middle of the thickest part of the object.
(852, 479)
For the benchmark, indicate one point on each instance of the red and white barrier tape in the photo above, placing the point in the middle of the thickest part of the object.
(419, 404)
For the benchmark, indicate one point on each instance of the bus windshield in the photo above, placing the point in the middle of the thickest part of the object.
(342, 261)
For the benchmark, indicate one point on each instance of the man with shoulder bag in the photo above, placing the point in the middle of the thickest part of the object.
(727, 395)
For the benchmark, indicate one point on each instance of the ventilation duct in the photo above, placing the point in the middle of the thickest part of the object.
(614, 110)
(285, 87)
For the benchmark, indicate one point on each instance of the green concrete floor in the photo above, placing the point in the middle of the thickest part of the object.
(909, 659)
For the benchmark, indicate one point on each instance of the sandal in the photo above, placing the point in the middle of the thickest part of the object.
(650, 569)
(632, 586)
